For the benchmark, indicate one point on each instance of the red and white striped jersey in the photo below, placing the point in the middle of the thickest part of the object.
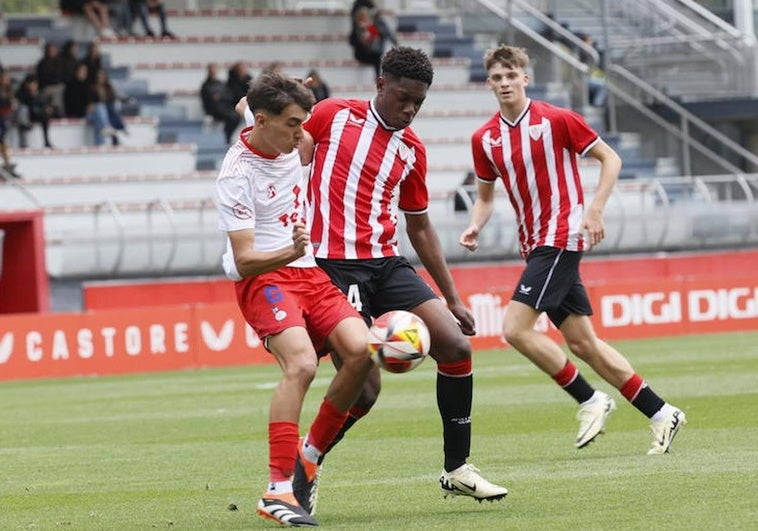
(362, 173)
(536, 156)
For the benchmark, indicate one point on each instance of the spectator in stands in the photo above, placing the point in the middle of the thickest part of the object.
(121, 15)
(465, 194)
(51, 79)
(7, 108)
(32, 108)
(76, 96)
(238, 81)
(596, 84)
(377, 17)
(94, 59)
(141, 9)
(218, 101)
(103, 110)
(69, 59)
(95, 11)
(368, 38)
(317, 85)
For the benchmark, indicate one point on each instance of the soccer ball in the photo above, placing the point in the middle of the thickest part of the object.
(398, 341)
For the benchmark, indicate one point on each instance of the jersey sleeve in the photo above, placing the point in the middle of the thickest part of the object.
(235, 204)
(483, 166)
(580, 136)
(319, 121)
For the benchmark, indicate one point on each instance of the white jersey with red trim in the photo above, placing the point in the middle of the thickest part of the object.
(264, 193)
(536, 157)
(362, 173)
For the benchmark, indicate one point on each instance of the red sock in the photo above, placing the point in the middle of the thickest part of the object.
(456, 368)
(566, 375)
(282, 449)
(632, 387)
(326, 425)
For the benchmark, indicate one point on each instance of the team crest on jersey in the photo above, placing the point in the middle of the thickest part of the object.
(404, 152)
(241, 211)
(271, 191)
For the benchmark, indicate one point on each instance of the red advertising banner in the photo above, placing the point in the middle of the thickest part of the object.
(689, 299)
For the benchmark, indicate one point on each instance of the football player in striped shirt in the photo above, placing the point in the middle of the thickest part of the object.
(368, 167)
(532, 147)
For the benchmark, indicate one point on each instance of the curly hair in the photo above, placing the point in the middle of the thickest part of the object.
(411, 63)
(272, 92)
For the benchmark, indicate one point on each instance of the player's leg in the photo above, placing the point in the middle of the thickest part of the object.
(336, 326)
(549, 277)
(273, 311)
(357, 280)
(403, 289)
(297, 359)
(613, 367)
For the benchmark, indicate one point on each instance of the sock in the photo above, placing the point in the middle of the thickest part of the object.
(641, 396)
(282, 449)
(574, 383)
(279, 487)
(324, 429)
(355, 414)
(455, 388)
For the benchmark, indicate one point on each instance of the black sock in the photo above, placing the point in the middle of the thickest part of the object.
(454, 395)
(648, 402)
(580, 389)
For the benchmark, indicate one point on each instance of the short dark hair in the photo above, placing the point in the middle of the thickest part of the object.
(411, 63)
(508, 56)
(272, 92)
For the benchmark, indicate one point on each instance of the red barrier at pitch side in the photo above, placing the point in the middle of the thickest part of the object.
(634, 298)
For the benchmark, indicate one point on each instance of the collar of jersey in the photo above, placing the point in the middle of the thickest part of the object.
(373, 110)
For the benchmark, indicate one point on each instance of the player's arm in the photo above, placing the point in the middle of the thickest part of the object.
(610, 167)
(426, 243)
(480, 214)
(250, 262)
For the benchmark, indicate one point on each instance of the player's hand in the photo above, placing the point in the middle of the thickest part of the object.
(594, 227)
(470, 238)
(301, 238)
(465, 318)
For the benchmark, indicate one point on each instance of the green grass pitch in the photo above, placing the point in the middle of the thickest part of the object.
(181, 450)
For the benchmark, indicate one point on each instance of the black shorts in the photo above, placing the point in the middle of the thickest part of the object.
(378, 285)
(551, 284)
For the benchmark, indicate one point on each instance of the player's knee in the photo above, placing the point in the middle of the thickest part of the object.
(584, 347)
(451, 349)
(302, 371)
(512, 335)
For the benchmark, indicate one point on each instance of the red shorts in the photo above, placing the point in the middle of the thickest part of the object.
(293, 296)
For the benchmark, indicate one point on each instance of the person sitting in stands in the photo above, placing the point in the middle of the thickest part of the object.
(7, 108)
(32, 108)
(218, 102)
(95, 11)
(142, 8)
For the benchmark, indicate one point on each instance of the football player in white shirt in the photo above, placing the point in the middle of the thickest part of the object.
(290, 302)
